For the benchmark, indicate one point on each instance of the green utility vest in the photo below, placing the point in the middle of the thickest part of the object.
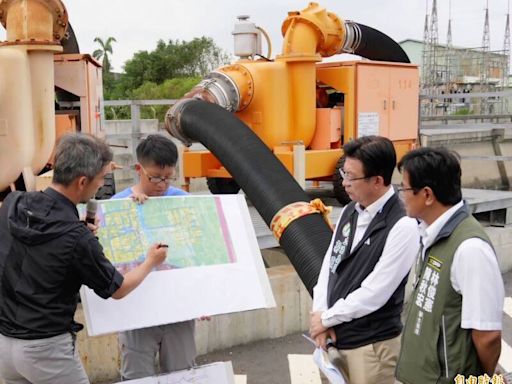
(435, 348)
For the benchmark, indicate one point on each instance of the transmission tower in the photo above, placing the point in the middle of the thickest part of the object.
(506, 67)
(449, 34)
(506, 48)
(485, 61)
(486, 39)
(426, 58)
(449, 58)
(434, 43)
(430, 47)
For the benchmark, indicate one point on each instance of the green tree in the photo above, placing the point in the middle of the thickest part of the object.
(169, 89)
(462, 112)
(102, 54)
(173, 59)
(168, 72)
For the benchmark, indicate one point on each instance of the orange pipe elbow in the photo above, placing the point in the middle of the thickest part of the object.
(311, 31)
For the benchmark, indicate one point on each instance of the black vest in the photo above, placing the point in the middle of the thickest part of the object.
(349, 269)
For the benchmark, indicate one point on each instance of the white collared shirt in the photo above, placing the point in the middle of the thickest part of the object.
(475, 274)
(398, 255)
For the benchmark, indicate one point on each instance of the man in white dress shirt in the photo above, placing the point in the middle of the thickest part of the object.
(359, 296)
(454, 320)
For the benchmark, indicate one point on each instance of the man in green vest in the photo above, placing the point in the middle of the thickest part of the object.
(454, 318)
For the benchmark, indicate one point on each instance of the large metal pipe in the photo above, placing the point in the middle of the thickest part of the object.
(17, 144)
(34, 29)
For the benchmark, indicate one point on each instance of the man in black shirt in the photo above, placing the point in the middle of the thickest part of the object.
(46, 254)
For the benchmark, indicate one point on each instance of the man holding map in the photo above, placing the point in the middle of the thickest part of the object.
(174, 343)
(46, 254)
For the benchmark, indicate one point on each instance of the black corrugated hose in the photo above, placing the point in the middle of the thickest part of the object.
(376, 45)
(264, 180)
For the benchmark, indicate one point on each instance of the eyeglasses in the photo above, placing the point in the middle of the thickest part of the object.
(157, 179)
(346, 177)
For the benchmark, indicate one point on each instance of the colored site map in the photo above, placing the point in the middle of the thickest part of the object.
(193, 227)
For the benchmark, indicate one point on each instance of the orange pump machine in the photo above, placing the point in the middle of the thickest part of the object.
(304, 110)
(33, 64)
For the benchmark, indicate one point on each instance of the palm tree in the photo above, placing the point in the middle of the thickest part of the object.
(103, 52)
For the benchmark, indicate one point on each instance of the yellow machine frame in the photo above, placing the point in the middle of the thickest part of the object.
(283, 100)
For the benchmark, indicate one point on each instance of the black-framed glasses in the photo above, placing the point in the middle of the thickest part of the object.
(157, 179)
(346, 177)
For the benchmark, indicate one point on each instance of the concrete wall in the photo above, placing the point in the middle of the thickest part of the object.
(124, 156)
(476, 140)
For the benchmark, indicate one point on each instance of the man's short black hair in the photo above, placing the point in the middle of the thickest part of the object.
(376, 153)
(157, 150)
(436, 168)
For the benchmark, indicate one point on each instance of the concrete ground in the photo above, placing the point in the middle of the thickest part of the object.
(264, 362)
(267, 362)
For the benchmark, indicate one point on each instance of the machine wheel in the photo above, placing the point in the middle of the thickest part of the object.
(222, 186)
(337, 183)
(109, 188)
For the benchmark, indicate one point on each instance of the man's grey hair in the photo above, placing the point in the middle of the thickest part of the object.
(79, 155)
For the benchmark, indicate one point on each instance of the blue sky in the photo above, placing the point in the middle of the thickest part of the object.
(138, 25)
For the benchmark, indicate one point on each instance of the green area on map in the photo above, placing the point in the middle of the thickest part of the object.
(191, 226)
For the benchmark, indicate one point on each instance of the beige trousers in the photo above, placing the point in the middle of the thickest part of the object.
(369, 364)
